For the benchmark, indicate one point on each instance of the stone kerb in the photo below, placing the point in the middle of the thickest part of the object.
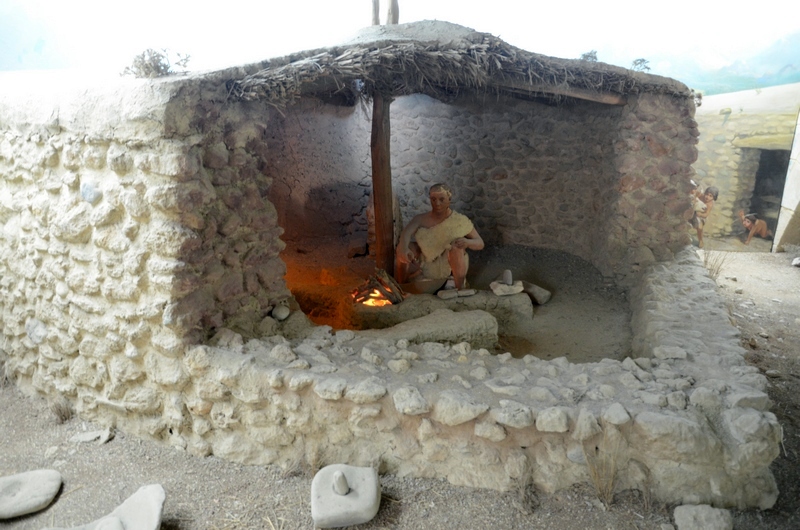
(687, 419)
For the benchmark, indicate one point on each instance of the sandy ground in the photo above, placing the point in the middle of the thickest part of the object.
(763, 291)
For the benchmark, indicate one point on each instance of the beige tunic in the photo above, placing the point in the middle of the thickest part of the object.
(436, 241)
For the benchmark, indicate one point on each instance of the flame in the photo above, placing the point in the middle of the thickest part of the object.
(376, 299)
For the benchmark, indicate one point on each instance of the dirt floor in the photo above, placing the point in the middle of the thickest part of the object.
(585, 320)
(763, 291)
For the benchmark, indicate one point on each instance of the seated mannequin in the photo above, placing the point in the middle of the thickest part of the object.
(441, 239)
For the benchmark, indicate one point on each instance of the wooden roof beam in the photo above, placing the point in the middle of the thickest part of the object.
(579, 93)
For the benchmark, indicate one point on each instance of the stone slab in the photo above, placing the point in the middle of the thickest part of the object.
(510, 311)
(476, 327)
(28, 492)
(140, 511)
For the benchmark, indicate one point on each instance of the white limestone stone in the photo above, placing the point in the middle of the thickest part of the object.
(649, 398)
(586, 426)
(502, 289)
(366, 391)
(370, 356)
(462, 348)
(399, 366)
(706, 398)
(300, 381)
(281, 313)
(282, 353)
(513, 414)
(28, 492)
(540, 393)
(539, 294)
(677, 400)
(490, 430)
(275, 378)
(298, 364)
(343, 495)
(749, 398)
(480, 373)
(616, 414)
(101, 436)
(501, 386)
(455, 407)
(552, 419)
(748, 425)
(407, 355)
(409, 401)
(702, 517)
(140, 511)
(331, 389)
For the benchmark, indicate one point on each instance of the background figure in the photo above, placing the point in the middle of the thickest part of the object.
(754, 226)
(704, 203)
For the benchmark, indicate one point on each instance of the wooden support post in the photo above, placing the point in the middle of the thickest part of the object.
(393, 14)
(376, 15)
(382, 182)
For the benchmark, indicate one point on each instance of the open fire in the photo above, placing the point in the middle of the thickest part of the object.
(378, 290)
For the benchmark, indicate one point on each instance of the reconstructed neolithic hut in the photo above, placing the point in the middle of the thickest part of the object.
(140, 265)
(748, 140)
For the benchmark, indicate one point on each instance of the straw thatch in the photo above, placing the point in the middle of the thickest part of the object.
(476, 62)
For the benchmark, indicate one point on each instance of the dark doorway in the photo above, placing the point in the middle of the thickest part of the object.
(770, 181)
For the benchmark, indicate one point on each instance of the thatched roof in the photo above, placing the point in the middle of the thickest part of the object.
(441, 60)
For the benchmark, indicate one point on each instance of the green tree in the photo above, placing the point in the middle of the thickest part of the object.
(640, 65)
(153, 63)
(590, 56)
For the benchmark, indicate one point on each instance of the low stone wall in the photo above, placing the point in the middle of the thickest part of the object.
(687, 420)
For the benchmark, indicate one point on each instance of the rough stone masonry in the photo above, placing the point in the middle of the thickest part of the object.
(140, 262)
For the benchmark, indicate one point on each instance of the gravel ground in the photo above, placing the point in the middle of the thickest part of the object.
(763, 291)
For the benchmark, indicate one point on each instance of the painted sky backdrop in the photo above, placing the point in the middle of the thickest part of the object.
(710, 45)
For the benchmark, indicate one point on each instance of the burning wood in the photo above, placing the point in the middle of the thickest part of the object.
(379, 290)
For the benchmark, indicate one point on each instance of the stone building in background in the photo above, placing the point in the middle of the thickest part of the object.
(748, 149)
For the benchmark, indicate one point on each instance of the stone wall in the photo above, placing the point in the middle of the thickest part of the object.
(129, 234)
(608, 184)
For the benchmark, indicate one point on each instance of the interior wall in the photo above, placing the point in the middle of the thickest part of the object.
(321, 169)
(525, 172)
(606, 183)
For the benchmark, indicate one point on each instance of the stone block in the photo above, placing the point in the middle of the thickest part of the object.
(702, 517)
(455, 407)
(343, 495)
(553, 419)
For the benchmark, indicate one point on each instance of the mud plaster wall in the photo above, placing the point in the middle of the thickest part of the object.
(605, 183)
(728, 156)
(133, 217)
